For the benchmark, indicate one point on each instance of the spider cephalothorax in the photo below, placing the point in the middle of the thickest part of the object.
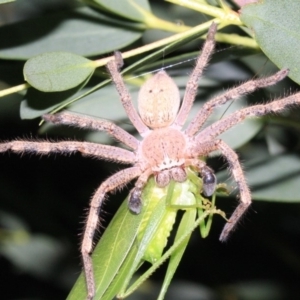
(165, 151)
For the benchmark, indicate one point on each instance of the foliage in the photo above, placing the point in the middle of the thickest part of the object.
(144, 237)
(254, 39)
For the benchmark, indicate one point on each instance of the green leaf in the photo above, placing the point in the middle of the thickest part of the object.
(107, 257)
(121, 277)
(82, 31)
(153, 222)
(150, 194)
(37, 103)
(57, 71)
(276, 28)
(125, 8)
(275, 179)
(270, 178)
(186, 223)
(29, 111)
(125, 242)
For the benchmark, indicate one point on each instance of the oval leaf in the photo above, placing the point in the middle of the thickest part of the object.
(83, 31)
(126, 8)
(276, 179)
(277, 33)
(57, 71)
(271, 178)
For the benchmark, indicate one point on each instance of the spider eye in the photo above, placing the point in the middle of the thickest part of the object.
(209, 182)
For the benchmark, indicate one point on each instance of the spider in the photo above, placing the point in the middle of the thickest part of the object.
(165, 150)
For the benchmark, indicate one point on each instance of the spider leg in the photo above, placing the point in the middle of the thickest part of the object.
(134, 200)
(222, 125)
(192, 84)
(204, 143)
(81, 121)
(113, 67)
(245, 195)
(203, 148)
(97, 150)
(207, 174)
(231, 94)
(115, 181)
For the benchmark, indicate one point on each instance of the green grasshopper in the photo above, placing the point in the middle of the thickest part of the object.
(131, 240)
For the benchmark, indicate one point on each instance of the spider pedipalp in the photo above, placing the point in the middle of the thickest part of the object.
(209, 181)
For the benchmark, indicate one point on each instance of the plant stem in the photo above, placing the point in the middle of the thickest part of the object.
(14, 89)
(225, 14)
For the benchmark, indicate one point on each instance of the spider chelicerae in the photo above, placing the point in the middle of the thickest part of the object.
(165, 151)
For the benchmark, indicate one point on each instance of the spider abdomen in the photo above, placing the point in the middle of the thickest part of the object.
(159, 101)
